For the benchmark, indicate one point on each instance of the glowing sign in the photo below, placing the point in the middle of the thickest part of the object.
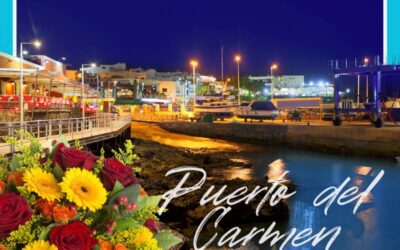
(8, 26)
(391, 45)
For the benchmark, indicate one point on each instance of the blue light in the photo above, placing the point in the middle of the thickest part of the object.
(8, 27)
(391, 31)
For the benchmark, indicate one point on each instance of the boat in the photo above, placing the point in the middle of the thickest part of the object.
(218, 109)
(257, 110)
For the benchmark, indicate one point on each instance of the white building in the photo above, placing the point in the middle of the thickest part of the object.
(104, 68)
(285, 81)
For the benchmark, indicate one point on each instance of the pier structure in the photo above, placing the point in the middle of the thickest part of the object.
(91, 130)
(373, 103)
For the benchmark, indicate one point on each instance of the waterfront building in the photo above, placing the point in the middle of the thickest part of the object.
(294, 86)
(118, 84)
(284, 81)
(48, 93)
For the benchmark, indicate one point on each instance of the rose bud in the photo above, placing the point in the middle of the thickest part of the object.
(151, 225)
(72, 158)
(114, 171)
(115, 206)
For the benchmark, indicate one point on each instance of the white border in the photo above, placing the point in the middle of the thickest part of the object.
(385, 32)
(14, 27)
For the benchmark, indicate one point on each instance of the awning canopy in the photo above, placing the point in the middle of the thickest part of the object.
(49, 74)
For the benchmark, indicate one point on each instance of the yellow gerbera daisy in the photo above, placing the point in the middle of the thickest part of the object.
(84, 189)
(142, 235)
(40, 245)
(42, 183)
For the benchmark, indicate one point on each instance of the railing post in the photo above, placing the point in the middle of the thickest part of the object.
(38, 129)
(47, 130)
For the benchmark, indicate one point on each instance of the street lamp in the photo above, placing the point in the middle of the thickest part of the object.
(238, 59)
(37, 44)
(273, 67)
(366, 61)
(194, 64)
(92, 65)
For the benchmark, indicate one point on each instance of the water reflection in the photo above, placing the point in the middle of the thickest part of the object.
(373, 227)
(312, 173)
(154, 133)
(233, 173)
(276, 169)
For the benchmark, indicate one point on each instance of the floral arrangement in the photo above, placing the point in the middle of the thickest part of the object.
(55, 196)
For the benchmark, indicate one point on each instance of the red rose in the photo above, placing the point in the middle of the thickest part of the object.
(14, 211)
(73, 158)
(114, 171)
(74, 236)
(151, 225)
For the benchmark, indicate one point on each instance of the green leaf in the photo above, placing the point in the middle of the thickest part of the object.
(166, 240)
(45, 232)
(11, 186)
(58, 172)
(15, 163)
(117, 187)
(96, 247)
(125, 223)
(148, 201)
(132, 192)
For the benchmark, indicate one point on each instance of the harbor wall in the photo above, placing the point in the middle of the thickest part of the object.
(348, 140)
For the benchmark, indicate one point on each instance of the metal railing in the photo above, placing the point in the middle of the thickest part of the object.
(355, 63)
(74, 128)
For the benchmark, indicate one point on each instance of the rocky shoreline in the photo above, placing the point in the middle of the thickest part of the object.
(184, 214)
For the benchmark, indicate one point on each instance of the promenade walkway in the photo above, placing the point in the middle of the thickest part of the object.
(92, 130)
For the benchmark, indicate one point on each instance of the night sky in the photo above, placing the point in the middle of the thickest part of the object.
(300, 35)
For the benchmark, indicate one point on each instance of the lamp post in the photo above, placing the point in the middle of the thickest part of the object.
(273, 67)
(366, 61)
(194, 64)
(237, 59)
(92, 65)
(37, 44)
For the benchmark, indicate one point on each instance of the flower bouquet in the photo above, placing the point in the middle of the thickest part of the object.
(55, 196)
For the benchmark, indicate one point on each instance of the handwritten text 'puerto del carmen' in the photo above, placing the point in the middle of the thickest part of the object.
(274, 193)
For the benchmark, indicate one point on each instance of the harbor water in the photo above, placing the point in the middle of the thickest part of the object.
(372, 227)
(374, 224)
